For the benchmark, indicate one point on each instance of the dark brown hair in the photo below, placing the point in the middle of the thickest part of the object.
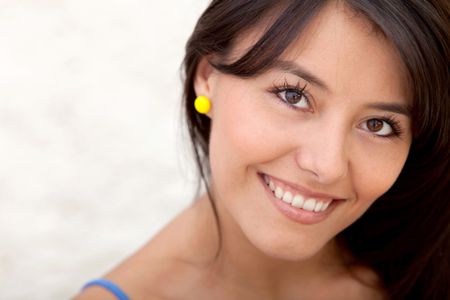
(405, 235)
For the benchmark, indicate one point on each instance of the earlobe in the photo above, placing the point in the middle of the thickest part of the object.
(202, 105)
(204, 85)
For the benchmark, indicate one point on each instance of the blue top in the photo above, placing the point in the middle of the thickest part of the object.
(108, 285)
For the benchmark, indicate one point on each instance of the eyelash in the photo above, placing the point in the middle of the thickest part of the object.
(286, 87)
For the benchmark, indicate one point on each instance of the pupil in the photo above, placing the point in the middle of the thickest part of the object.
(292, 97)
(374, 125)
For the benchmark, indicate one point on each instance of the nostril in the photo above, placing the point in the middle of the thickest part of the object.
(325, 165)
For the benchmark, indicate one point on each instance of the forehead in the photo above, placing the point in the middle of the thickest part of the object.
(344, 49)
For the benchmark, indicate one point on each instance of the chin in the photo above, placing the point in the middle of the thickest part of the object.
(288, 249)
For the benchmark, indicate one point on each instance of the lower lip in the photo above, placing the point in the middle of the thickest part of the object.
(297, 214)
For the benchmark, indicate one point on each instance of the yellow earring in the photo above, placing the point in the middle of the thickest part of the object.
(202, 104)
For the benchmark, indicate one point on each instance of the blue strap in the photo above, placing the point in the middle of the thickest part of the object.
(113, 288)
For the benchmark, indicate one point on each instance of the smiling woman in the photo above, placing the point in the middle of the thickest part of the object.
(322, 136)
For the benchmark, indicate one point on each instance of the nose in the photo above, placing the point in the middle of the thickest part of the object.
(324, 154)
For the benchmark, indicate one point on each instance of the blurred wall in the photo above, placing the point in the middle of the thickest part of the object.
(92, 156)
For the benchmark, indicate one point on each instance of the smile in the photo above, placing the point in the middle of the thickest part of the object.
(296, 199)
(298, 204)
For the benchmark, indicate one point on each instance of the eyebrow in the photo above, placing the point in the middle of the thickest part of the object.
(293, 68)
(392, 107)
(299, 71)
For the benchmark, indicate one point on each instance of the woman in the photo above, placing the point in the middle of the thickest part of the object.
(321, 132)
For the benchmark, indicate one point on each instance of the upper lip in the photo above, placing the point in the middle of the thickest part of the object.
(305, 191)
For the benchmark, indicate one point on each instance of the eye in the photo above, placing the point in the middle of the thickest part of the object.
(380, 127)
(293, 96)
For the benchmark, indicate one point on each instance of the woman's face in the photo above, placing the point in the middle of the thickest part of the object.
(300, 152)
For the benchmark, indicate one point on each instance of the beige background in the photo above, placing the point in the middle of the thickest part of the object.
(92, 159)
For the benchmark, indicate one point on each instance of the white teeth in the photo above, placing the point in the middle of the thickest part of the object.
(325, 206)
(287, 197)
(272, 185)
(279, 192)
(318, 206)
(309, 204)
(298, 201)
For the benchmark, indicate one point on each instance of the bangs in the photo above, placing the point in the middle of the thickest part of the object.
(275, 40)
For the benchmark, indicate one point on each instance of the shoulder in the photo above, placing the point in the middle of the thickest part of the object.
(95, 293)
(144, 276)
(163, 268)
(132, 281)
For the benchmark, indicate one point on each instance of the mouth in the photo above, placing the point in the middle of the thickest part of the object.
(297, 204)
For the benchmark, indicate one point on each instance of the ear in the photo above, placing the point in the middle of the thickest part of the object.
(204, 81)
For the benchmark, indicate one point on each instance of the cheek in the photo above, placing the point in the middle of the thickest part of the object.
(242, 133)
(375, 175)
